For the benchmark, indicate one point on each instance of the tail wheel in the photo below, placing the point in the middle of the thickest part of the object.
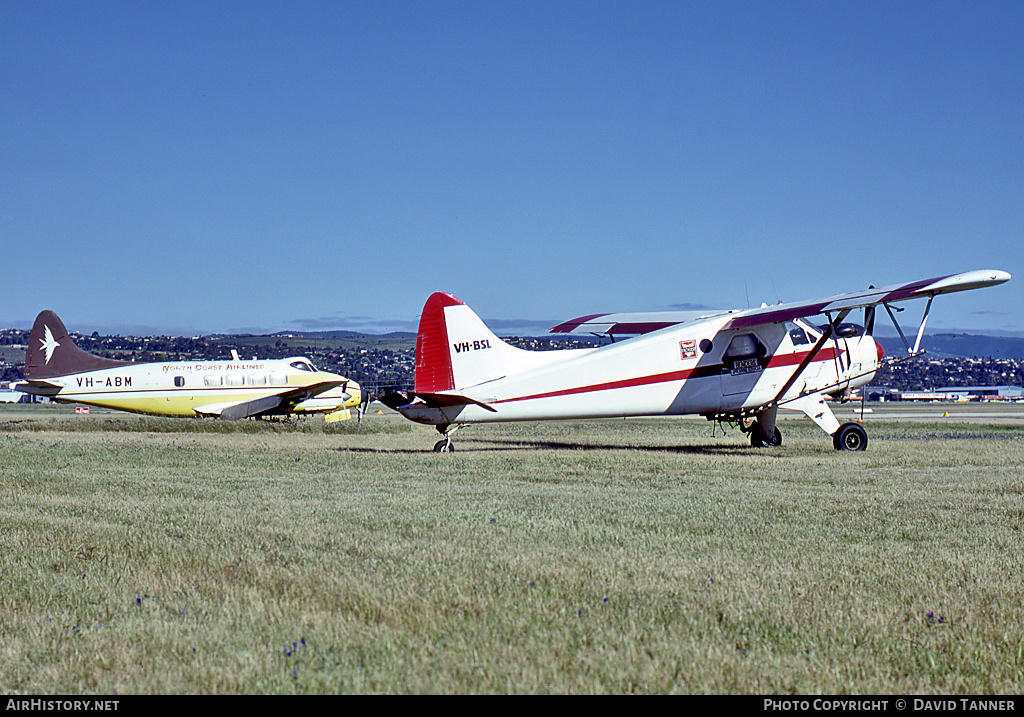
(850, 437)
(757, 440)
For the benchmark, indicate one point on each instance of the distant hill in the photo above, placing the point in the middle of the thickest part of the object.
(344, 334)
(959, 345)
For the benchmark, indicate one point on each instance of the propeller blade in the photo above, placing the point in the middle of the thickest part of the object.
(368, 398)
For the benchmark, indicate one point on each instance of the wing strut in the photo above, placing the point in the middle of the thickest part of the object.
(924, 320)
(896, 323)
(837, 359)
(920, 331)
(825, 336)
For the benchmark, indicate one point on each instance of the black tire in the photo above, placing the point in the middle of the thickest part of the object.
(444, 446)
(757, 440)
(850, 437)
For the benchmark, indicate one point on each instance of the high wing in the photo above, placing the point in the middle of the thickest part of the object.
(641, 323)
(630, 323)
(280, 402)
(870, 297)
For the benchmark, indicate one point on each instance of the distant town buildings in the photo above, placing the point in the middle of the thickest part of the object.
(948, 393)
(381, 365)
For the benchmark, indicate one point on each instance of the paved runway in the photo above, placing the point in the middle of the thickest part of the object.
(1005, 413)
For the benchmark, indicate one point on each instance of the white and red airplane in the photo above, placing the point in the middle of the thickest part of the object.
(729, 366)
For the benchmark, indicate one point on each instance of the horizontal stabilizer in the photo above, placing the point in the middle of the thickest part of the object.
(396, 399)
(452, 399)
(399, 399)
(40, 387)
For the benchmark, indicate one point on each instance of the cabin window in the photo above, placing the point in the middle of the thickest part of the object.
(214, 380)
(744, 346)
(744, 354)
(256, 380)
(179, 381)
(278, 378)
(235, 380)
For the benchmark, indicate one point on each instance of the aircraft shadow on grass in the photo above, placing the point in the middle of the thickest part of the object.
(490, 445)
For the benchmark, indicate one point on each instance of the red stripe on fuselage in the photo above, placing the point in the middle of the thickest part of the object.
(776, 361)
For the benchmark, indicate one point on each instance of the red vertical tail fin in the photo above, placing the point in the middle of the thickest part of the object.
(456, 351)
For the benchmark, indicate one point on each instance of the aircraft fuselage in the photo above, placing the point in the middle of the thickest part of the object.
(190, 388)
(698, 368)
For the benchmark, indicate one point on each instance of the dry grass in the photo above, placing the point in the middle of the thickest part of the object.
(597, 557)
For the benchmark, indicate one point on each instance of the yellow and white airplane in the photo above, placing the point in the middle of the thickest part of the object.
(233, 389)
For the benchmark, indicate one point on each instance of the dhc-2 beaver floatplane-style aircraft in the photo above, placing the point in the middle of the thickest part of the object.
(733, 366)
(57, 368)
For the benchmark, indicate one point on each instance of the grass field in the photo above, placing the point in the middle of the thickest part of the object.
(648, 556)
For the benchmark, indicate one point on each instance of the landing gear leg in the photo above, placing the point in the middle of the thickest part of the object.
(759, 440)
(763, 431)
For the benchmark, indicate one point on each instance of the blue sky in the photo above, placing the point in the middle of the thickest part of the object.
(196, 167)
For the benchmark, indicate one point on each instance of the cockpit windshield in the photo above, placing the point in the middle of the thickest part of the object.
(302, 365)
(797, 334)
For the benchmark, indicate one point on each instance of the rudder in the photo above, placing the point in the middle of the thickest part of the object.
(455, 349)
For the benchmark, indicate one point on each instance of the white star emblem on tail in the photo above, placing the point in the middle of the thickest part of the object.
(49, 345)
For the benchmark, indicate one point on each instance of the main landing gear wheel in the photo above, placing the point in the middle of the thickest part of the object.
(757, 440)
(850, 437)
(444, 446)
